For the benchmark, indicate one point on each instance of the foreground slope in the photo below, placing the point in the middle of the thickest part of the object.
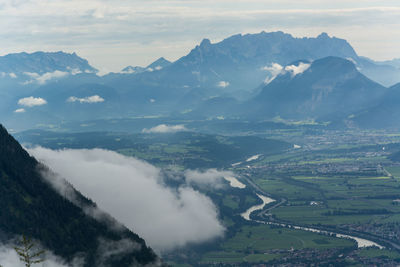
(30, 205)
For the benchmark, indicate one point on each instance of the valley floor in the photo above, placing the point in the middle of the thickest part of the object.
(337, 181)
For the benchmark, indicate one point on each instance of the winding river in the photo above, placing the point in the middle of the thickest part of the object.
(266, 200)
(233, 182)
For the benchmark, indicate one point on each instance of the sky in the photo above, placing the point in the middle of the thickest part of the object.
(113, 34)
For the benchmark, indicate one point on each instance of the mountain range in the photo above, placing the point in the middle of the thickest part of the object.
(43, 62)
(239, 76)
(156, 65)
(326, 87)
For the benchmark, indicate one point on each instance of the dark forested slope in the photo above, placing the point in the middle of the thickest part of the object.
(29, 205)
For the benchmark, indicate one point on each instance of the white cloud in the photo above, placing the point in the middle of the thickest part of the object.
(163, 128)
(43, 78)
(89, 99)
(32, 101)
(299, 69)
(33, 75)
(274, 70)
(110, 248)
(352, 60)
(11, 75)
(223, 84)
(210, 177)
(131, 191)
(129, 70)
(20, 110)
(75, 71)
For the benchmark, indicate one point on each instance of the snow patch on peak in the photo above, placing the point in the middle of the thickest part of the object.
(274, 70)
(223, 84)
(297, 69)
(351, 60)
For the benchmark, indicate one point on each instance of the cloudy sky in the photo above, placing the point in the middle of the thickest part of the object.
(112, 34)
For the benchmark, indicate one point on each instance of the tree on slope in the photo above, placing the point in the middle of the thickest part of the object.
(27, 252)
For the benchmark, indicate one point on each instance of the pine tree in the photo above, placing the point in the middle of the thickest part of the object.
(27, 254)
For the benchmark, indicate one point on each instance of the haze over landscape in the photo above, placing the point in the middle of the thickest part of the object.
(198, 133)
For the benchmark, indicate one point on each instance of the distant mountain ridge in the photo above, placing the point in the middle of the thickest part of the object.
(22, 73)
(233, 67)
(210, 77)
(394, 62)
(42, 62)
(326, 87)
(156, 65)
(237, 63)
(159, 64)
(385, 113)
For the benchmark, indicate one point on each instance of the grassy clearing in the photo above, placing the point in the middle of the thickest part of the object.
(289, 191)
(313, 215)
(222, 257)
(253, 244)
(254, 258)
(233, 257)
(375, 253)
(263, 238)
(395, 171)
(230, 202)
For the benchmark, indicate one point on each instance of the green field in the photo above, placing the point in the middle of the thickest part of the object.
(375, 253)
(255, 243)
(394, 170)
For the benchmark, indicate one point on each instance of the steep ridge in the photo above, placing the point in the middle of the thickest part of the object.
(232, 67)
(324, 89)
(30, 205)
(237, 62)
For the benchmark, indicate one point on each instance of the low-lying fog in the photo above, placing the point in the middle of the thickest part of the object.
(133, 192)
